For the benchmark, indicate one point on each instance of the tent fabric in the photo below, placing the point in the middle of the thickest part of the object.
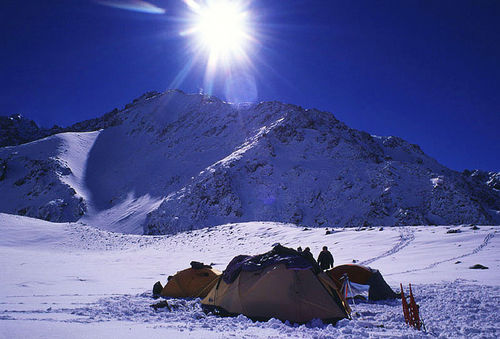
(379, 289)
(191, 283)
(279, 254)
(356, 273)
(282, 287)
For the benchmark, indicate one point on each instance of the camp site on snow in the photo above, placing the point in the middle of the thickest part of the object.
(283, 283)
(59, 295)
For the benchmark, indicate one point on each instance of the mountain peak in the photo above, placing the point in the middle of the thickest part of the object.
(174, 161)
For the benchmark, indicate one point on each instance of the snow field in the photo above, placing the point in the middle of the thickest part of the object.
(73, 280)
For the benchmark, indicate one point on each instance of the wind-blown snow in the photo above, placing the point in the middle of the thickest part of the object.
(72, 280)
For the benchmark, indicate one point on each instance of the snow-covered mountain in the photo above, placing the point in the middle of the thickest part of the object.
(170, 162)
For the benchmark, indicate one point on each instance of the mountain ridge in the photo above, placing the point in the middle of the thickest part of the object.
(172, 161)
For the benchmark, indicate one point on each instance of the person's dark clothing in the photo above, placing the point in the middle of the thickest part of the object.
(325, 260)
(306, 253)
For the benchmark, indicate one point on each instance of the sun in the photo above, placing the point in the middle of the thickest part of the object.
(220, 35)
(220, 28)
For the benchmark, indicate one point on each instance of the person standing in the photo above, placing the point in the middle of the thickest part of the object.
(325, 259)
(307, 254)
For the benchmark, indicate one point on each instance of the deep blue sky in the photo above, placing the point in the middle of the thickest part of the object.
(427, 71)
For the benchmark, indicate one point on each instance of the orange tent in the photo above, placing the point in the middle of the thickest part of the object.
(356, 273)
(379, 289)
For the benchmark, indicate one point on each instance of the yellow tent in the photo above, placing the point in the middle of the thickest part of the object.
(191, 283)
(278, 291)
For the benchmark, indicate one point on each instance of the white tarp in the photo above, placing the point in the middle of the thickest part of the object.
(351, 289)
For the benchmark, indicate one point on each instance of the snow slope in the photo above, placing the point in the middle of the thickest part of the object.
(72, 280)
(171, 162)
(44, 178)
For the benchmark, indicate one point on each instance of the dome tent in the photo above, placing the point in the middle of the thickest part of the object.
(280, 284)
(194, 282)
(378, 290)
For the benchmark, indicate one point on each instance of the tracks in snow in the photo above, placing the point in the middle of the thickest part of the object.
(485, 243)
(406, 236)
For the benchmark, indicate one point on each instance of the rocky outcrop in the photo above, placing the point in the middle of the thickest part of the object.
(16, 129)
(306, 167)
(33, 187)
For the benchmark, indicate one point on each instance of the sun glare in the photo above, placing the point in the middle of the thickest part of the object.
(220, 34)
(221, 28)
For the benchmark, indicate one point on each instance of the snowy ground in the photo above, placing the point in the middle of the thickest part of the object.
(71, 280)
